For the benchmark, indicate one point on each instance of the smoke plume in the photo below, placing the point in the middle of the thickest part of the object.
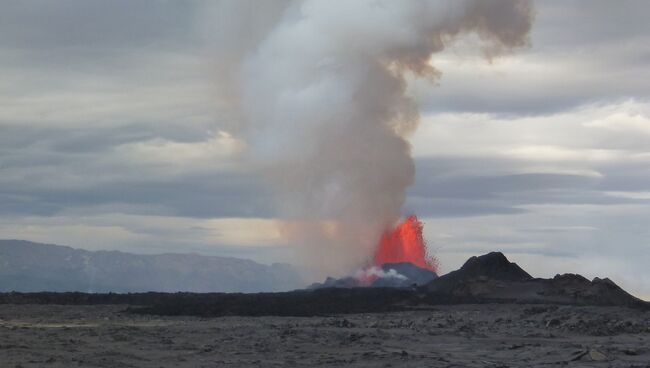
(319, 88)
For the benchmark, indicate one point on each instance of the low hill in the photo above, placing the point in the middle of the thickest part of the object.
(492, 278)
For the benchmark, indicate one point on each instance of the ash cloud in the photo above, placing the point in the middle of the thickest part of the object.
(319, 90)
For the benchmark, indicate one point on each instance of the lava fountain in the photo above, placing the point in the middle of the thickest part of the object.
(400, 248)
(405, 243)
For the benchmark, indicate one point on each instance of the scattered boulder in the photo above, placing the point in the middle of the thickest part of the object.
(597, 356)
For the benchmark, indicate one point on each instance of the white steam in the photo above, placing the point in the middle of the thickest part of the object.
(318, 88)
(374, 271)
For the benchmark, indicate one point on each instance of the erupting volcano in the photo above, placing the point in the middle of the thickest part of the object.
(400, 260)
(403, 244)
(321, 96)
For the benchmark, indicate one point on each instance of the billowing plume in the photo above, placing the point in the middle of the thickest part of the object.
(319, 88)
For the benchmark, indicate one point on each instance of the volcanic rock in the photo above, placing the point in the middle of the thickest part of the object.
(575, 289)
(394, 275)
(492, 278)
(597, 356)
(412, 273)
(491, 266)
(331, 282)
(485, 279)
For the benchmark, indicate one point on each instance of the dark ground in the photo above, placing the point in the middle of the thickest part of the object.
(486, 335)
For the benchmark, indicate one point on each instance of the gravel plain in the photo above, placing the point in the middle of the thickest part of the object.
(488, 335)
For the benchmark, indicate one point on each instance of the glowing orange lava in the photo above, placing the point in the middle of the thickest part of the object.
(405, 243)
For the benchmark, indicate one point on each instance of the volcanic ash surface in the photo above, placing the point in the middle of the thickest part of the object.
(468, 336)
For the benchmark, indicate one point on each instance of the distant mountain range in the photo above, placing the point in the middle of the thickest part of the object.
(30, 267)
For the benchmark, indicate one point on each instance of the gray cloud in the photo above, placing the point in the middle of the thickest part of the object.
(581, 53)
(93, 24)
(225, 194)
(439, 194)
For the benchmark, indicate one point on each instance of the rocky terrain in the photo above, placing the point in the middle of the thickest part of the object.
(489, 313)
(489, 278)
(33, 267)
(487, 335)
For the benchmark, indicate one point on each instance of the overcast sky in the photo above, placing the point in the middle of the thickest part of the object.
(111, 137)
